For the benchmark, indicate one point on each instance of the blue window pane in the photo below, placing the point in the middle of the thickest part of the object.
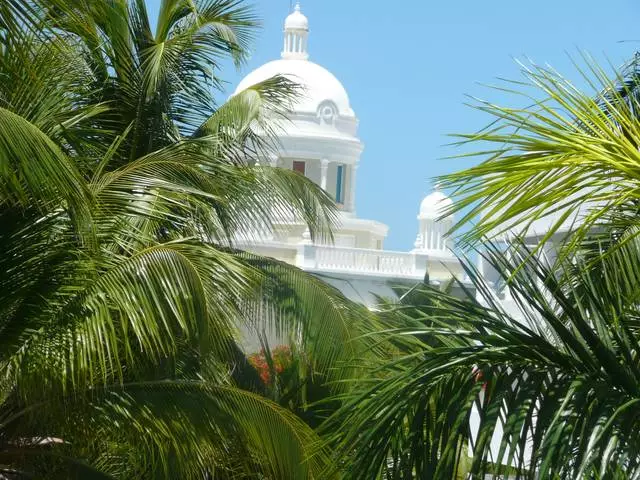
(340, 184)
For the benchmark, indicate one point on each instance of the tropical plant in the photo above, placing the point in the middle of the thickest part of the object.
(123, 192)
(542, 383)
(546, 390)
(566, 155)
(288, 378)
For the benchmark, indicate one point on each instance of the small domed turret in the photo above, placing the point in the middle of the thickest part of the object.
(435, 204)
(296, 21)
(433, 227)
(296, 35)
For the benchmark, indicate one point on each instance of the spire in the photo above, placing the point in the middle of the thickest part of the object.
(296, 33)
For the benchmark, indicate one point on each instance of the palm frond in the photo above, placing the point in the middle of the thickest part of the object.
(191, 38)
(569, 157)
(151, 302)
(253, 118)
(168, 429)
(537, 391)
(54, 182)
(316, 318)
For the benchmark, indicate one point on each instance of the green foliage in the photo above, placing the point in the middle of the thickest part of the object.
(542, 383)
(559, 382)
(566, 149)
(123, 189)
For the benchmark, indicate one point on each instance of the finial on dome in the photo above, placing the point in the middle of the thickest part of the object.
(296, 32)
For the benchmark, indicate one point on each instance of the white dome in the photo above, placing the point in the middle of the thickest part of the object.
(320, 85)
(434, 205)
(296, 21)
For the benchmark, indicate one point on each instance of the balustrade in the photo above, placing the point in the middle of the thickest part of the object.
(363, 260)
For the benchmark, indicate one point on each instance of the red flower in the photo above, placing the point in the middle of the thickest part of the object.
(281, 357)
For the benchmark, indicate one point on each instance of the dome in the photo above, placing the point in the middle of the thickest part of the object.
(323, 94)
(434, 205)
(296, 21)
(320, 85)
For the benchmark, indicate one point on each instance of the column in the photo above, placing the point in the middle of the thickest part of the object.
(273, 160)
(324, 167)
(352, 188)
(432, 235)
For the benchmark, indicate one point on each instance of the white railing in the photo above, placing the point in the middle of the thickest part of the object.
(365, 261)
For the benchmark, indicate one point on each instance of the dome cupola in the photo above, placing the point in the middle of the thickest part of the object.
(319, 137)
(323, 95)
(434, 225)
(435, 204)
(296, 35)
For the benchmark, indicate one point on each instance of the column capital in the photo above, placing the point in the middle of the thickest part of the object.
(324, 162)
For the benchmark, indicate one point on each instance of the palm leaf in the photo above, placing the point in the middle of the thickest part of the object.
(560, 382)
(554, 159)
(177, 428)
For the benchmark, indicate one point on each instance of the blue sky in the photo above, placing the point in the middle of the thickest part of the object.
(408, 65)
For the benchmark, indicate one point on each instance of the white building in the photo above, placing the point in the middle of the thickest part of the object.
(321, 142)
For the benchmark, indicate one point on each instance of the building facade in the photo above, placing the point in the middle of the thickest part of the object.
(320, 140)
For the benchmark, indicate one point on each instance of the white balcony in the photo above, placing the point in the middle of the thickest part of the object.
(361, 262)
(368, 262)
(356, 262)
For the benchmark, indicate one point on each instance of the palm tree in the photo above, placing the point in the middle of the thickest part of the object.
(123, 189)
(548, 389)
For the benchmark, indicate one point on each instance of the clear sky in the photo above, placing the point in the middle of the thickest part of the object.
(408, 65)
